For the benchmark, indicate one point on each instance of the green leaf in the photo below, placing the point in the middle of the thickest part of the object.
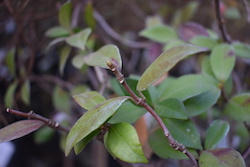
(221, 157)
(104, 54)
(204, 41)
(77, 61)
(19, 129)
(165, 62)
(10, 61)
(122, 142)
(43, 135)
(217, 130)
(63, 58)
(25, 92)
(184, 131)
(171, 108)
(242, 49)
(159, 33)
(9, 96)
(89, 99)
(56, 32)
(89, 15)
(206, 67)
(91, 121)
(61, 99)
(54, 42)
(222, 61)
(79, 39)
(238, 108)
(65, 14)
(152, 21)
(173, 43)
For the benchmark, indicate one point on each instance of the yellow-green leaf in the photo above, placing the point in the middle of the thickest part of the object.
(65, 14)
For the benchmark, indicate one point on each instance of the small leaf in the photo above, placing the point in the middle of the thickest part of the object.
(54, 42)
(89, 99)
(242, 49)
(63, 58)
(65, 14)
(19, 129)
(10, 94)
(61, 99)
(238, 108)
(77, 61)
(43, 135)
(217, 130)
(159, 33)
(221, 157)
(25, 92)
(152, 21)
(91, 121)
(104, 54)
(10, 61)
(56, 32)
(204, 41)
(122, 142)
(165, 62)
(222, 61)
(89, 15)
(79, 39)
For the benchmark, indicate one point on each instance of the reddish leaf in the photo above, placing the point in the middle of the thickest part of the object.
(19, 129)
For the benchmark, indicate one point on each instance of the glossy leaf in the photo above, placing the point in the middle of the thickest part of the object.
(104, 54)
(217, 130)
(184, 131)
(89, 99)
(221, 157)
(204, 41)
(61, 99)
(165, 62)
(56, 32)
(79, 39)
(25, 92)
(238, 108)
(171, 108)
(10, 94)
(92, 120)
(222, 61)
(65, 14)
(242, 49)
(19, 129)
(63, 58)
(159, 33)
(122, 142)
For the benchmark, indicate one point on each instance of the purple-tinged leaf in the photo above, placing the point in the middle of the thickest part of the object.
(19, 129)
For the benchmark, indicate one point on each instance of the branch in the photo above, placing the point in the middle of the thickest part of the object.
(32, 115)
(246, 9)
(139, 101)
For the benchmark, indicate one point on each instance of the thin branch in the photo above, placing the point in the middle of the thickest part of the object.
(247, 153)
(139, 101)
(32, 115)
(221, 22)
(246, 8)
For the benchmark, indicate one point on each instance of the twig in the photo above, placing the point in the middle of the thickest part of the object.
(247, 153)
(32, 115)
(221, 22)
(139, 101)
(246, 8)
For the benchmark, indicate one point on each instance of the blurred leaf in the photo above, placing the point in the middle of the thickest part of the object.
(91, 121)
(10, 61)
(238, 108)
(160, 33)
(63, 58)
(152, 21)
(43, 135)
(166, 61)
(232, 13)
(9, 96)
(55, 41)
(78, 61)
(221, 157)
(79, 39)
(56, 32)
(61, 100)
(222, 61)
(184, 131)
(78, 89)
(206, 67)
(204, 42)
(25, 92)
(173, 43)
(19, 129)
(88, 100)
(122, 142)
(217, 130)
(104, 54)
(171, 108)
(242, 49)
(89, 15)
(65, 14)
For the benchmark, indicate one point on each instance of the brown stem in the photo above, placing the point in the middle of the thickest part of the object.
(32, 115)
(139, 101)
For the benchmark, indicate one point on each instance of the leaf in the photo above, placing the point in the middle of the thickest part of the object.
(91, 121)
(242, 49)
(222, 61)
(25, 92)
(64, 16)
(173, 43)
(238, 107)
(77, 61)
(63, 58)
(55, 41)
(184, 131)
(152, 21)
(89, 15)
(19, 129)
(61, 99)
(43, 135)
(10, 94)
(104, 54)
(171, 108)
(56, 32)
(217, 130)
(221, 157)
(79, 39)
(204, 41)
(89, 99)
(122, 142)
(10, 61)
(159, 33)
(165, 62)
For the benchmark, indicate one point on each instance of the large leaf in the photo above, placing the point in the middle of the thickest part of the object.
(65, 14)
(165, 62)
(79, 39)
(222, 61)
(89, 99)
(19, 129)
(184, 131)
(104, 54)
(221, 157)
(238, 108)
(122, 142)
(217, 130)
(159, 33)
(92, 120)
